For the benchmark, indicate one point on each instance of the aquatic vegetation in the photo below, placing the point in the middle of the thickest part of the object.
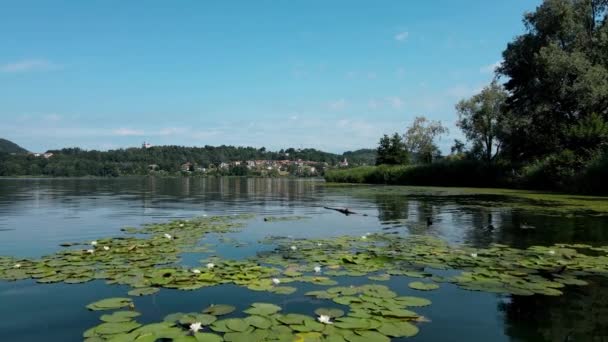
(266, 322)
(284, 218)
(149, 262)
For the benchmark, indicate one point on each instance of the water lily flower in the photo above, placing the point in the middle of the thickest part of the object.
(368, 234)
(317, 269)
(181, 224)
(106, 248)
(364, 237)
(210, 265)
(324, 319)
(552, 252)
(17, 266)
(293, 248)
(319, 244)
(93, 243)
(474, 255)
(196, 271)
(168, 236)
(276, 281)
(90, 251)
(204, 215)
(195, 327)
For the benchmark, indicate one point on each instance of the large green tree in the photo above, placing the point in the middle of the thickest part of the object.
(420, 138)
(392, 151)
(557, 74)
(483, 119)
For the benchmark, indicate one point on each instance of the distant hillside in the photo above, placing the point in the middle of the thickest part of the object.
(69, 162)
(7, 146)
(365, 156)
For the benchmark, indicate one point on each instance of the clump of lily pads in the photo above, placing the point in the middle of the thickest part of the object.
(267, 322)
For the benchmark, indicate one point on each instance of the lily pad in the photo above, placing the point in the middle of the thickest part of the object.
(418, 285)
(110, 303)
(144, 291)
(219, 309)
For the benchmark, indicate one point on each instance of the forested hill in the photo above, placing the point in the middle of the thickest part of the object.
(7, 146)
(135, 161)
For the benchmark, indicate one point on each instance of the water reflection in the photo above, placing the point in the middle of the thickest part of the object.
(36, 215)
(579, 315)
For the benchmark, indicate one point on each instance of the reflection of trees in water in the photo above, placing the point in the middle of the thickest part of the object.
(229, 191)
(392, 208)
(581, 314)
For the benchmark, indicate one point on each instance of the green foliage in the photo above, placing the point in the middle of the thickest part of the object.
(163, 160)
(445, 173)
(7, 146)
(420, 138)
(392, 151)
(557, 74)
(482, 118)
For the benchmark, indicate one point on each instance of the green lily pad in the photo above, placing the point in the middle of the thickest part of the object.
(120, 316)
(331, 312)
(418, 285)
(413, 301)
(219, 309)
(258, 322)
(263, 309)
(110, 303)
(398, 329)
(144, 291)
(116, 328)
(237, 324)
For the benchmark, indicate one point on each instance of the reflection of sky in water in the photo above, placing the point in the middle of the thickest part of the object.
(37, 215)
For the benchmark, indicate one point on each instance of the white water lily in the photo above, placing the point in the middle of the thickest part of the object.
(276, 281)
(293, 248)
(210, 265)
(106, 248)
(93, 243)
(204, 215)
(474, 255)
(168, 236)
(317, 269)
(364, 237)
(368, 234)
(181, 224)
(196, 271)
(17, 266)
(195, 327)
(319, 244)
(324, 319)
(552, 252)
(90, 251)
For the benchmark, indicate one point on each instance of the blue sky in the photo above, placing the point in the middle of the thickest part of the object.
(333, 75)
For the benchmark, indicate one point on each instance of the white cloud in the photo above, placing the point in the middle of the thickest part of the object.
(28, 65)
(488, 69)
(126, 132)
(395, 102)
(338, 104)
(402, 36)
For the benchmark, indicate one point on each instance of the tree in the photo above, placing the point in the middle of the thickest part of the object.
(482, 120)
(557, 73)
(458, 148)
(392, 151)
(420, 138)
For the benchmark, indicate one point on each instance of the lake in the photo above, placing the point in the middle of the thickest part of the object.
(37, 215)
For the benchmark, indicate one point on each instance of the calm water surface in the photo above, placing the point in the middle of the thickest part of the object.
(36, 215)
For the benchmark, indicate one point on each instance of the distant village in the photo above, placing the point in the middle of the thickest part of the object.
(284, 167)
